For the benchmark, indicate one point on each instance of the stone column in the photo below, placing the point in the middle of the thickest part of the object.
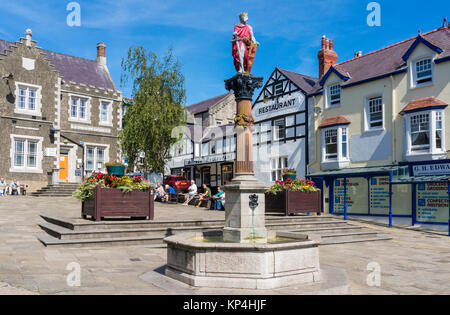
(244, 224)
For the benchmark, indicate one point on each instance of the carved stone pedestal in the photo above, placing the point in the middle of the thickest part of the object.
(242, 223)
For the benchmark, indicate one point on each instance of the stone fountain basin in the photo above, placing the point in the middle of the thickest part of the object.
(196, 260)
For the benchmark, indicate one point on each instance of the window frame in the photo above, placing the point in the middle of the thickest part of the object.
(413, 66)
(109, 113)
(432, 148)
(367, 119)
(87, 110)
(96, 147)
(277, 130)
(281, 162)
(36, 111)
(329, 94)
(341, 131)
(38, 154)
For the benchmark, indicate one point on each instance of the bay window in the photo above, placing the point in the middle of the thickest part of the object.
(335, 147)
(425, 133)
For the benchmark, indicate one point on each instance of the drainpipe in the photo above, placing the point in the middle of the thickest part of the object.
(390, 199)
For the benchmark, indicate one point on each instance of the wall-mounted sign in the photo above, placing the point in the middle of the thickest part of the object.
(432, 202)
(210, 159)
(51, 152)
(279, 106)
(431, 169)
(77, 172)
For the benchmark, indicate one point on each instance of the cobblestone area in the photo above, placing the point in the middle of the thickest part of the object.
(414, 262)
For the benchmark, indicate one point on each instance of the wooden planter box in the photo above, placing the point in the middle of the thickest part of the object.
(290, 202)
(110, 202)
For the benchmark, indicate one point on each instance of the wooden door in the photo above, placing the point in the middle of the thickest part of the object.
(64, 167)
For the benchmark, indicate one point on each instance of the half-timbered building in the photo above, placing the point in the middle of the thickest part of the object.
(281, 125)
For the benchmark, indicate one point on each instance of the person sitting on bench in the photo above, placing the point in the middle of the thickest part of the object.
(219, 199)
(14, 188)
(159, 193)
(205, 195)
(3, 187)
(169, 192)
(192, 192)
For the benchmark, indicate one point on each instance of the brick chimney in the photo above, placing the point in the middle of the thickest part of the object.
(327, 57)
(101, 56)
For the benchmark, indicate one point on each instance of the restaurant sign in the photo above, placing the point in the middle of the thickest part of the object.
(210, 159)
(431, 169)
(279, 106)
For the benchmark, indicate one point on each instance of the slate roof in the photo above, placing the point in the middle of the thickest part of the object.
(389, 59)
(334, 120)
(422, 103)
(306, 83)
(76, 69)
(204, 106)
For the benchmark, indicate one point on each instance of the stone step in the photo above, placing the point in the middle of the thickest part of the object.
(85, 225)
(67, 234)
(51, 195)
(348, 235)
(379, 237)
(48, 240)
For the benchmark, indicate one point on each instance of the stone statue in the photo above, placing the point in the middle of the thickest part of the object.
(244, 45)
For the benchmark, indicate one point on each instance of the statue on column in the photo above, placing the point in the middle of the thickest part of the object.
(244, 45)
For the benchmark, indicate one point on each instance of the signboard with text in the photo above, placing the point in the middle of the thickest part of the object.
(432, 202)
(379, 195)
(279, 106)
(431, 169)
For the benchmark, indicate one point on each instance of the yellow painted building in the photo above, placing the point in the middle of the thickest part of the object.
(381, 124)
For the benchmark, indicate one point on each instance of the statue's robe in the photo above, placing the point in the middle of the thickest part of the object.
(243, 32)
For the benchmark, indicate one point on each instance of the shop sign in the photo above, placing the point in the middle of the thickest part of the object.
(278, 106)
(210, 159)
(432, 202)
(431, 169)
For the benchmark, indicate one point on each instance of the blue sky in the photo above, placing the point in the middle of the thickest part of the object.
(199, 31)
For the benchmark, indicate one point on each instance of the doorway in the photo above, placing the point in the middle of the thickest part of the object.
(64, 167)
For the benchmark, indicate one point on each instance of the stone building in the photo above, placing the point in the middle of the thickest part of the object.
(60, 115)
(206, 153)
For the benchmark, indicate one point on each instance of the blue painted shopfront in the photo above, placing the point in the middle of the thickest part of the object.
(416, 190)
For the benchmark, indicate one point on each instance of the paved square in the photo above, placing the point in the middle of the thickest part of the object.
(414, 262)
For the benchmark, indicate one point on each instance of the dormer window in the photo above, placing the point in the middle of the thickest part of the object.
(334, 95)
(424, 72)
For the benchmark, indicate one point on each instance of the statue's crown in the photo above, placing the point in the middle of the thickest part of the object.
(243, 14)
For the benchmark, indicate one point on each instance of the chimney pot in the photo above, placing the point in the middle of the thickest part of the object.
(101, 53)
(28, 34)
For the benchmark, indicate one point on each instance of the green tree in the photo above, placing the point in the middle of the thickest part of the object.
(158, 92)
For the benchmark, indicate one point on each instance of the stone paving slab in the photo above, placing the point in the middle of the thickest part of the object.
(414, 262)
